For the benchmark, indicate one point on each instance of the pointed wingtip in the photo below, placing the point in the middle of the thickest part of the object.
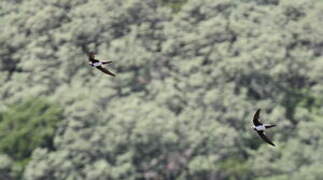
(271, 143)
(256, 118)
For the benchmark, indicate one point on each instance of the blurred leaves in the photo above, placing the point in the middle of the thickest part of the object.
(26, 126)
(190, 75)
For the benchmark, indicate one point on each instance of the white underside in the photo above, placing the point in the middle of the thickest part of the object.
(260, 128)
(96, 64)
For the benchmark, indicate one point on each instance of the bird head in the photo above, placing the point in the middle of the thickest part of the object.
(91, 55)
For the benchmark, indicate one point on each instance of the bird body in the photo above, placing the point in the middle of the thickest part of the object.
(260, 128)
(98, 64)
(95, 64)
(263, 127)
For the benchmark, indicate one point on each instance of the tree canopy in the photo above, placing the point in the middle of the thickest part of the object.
(190, 75)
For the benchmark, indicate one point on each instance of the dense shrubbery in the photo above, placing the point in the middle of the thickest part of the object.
(187, 86)
(24, 127)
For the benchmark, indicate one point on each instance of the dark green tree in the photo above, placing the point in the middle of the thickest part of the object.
(25, 126)
(187, 86)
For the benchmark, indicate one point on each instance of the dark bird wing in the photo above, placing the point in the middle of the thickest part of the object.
(105, 71)
(265, 138)
(106, 62)
(256, 118)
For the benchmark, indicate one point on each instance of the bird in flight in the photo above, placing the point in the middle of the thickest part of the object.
(98, 64)
(260, 128)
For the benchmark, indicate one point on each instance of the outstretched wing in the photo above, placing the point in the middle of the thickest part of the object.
(105, 71)
(106, 62)
(265, 138)
(256, 118)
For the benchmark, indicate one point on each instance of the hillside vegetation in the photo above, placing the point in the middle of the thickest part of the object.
(190, 75)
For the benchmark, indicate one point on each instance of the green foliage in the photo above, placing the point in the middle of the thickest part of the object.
(235, 168)
(176, 5)
(187, 86)
(26, 125)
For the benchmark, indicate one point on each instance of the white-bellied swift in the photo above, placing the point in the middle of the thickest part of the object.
(260, 128)
(98, 64)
